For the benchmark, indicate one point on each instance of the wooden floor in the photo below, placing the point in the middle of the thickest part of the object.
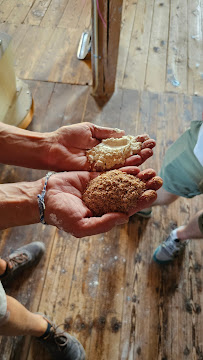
(106, 288)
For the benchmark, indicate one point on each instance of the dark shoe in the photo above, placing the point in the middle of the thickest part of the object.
(23, 258)
(61, 345)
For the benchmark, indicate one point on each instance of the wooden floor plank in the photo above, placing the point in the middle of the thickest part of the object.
(176, 80)
(30, 50)
(129, 11)
(175, 47)
(108, 312)
(54, 13)
(72, 16)
(58, 61)
(106, 288)
(17, 34)
(157, 58)
(197, 108)
(138, 51)
(37, 12)
(14, 11)
(42, 120)
(195, 48)
(18, 14)
(5, 9)
(143, 43)
(47, 54)
(85, 21)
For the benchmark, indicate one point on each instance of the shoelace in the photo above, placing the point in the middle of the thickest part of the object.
(171, 246)
(16, 260)
(59, 336)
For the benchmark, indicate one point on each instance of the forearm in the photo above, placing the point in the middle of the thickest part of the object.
(19, 204)
(24, 148)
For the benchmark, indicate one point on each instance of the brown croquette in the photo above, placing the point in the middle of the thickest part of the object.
(113, 191)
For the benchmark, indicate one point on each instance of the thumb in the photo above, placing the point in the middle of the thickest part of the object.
(100, 132)
(98, 225)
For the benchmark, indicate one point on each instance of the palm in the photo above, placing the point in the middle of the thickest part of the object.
(64, 198)
(66, 210)
(69, 150)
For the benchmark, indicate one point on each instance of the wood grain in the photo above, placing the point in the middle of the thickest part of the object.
(106, 288)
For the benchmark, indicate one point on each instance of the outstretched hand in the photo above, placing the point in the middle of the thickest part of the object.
(70, 143)
(66, 210)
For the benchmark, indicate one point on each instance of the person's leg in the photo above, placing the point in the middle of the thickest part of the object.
(17, 320)
(3, 265)
(21, 321)
(192, 229)
(164, 197)
(176, 240)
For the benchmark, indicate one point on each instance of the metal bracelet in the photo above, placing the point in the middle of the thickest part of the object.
(40, 198)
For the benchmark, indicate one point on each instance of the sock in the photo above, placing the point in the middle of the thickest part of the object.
(46, 333)
(174, 234)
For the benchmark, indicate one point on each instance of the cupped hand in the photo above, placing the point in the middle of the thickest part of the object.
(66, 210)
(70, 143)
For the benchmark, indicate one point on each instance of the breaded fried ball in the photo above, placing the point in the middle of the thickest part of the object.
(113, 191)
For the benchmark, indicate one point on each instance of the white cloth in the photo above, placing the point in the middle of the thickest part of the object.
(198, 149)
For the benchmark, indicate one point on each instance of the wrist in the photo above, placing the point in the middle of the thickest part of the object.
(19, 205)
(51, 151)
(41, 198)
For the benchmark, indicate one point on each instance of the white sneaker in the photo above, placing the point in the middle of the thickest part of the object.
(169, 249)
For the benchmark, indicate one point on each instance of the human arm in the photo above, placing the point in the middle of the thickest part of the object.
(19, 204)
(63, 149)
(64, 206)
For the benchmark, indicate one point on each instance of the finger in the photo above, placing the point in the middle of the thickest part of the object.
(136, 160)
(147, 174)
(98, 225)
(100, 132)
(150, 143)
(154, 183)
(145, 154)
(132, 170)
(142, 137)
(145, 201)
(133, 160)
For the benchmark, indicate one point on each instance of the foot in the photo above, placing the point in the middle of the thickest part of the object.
(60, 344)
(23, 258)
(169, 249)
(146, 213)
